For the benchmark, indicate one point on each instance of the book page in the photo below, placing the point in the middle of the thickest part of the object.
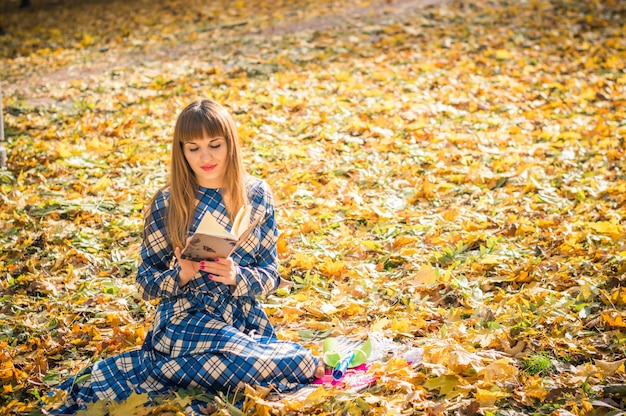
(209, 225)
(248, 230)
(242, 220)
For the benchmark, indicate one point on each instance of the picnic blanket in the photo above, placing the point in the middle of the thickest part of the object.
(356, 376)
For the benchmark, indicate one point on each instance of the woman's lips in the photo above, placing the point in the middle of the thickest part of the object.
(208, 168)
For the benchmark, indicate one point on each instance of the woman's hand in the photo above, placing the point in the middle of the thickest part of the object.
(188, 268)
(223, 270)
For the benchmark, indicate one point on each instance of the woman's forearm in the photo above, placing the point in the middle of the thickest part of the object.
(154, 284)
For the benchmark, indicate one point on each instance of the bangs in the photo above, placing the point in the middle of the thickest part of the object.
(195, 125)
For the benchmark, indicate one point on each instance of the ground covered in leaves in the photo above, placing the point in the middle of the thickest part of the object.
(450, 175)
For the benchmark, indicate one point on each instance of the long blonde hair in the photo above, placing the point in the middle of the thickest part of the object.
(202, 118)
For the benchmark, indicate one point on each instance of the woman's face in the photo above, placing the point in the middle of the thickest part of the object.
(207, 157)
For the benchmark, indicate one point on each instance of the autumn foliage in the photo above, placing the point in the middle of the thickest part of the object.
(449, 174)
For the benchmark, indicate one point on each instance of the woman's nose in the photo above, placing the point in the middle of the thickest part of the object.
(207, 155)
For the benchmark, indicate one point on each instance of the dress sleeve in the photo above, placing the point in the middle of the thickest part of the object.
(155, 278)
(261, 277)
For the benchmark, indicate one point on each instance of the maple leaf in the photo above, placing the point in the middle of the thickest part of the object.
(427, 275)
(446, 385)
(499, 370)
(98, 408)
(488, 398)
(133, 405)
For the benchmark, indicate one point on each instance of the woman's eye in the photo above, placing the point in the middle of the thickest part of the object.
(193, 149)
(215, 146)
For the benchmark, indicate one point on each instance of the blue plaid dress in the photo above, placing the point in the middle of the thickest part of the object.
(206, 334)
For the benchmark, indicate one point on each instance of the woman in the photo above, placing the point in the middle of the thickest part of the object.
(209, 331)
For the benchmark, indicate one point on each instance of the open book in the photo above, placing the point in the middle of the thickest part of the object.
(211, 240)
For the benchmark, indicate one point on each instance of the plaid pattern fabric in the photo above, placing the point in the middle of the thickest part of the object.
(206, 334)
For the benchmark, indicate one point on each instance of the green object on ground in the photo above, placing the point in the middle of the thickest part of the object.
(336, 348)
